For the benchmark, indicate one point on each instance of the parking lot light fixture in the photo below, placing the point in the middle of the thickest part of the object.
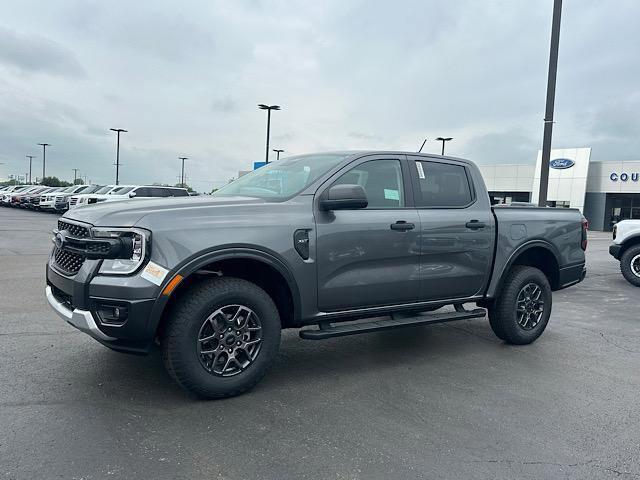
(44, 157)
(268, 108)
(30, 157)
(118, 131)
(278, 152)
(182, 175)
(443, 140)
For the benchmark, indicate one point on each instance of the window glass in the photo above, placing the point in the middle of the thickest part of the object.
(381, 180)
(442, 185)
(282, 179)
(143, 192)
(121, 190)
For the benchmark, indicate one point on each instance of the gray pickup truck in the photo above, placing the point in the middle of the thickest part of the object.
(338, 243)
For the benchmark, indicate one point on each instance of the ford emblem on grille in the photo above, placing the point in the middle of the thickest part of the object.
(58, 240)
(561, 163)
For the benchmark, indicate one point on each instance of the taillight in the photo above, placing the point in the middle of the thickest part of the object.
(585, 227)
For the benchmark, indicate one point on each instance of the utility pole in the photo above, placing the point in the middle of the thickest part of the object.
(278, 152)
(182, 176)
(551, 95)
(268, 108)
(443, 140)
(118, 131)
(44, 157)
(75, 175)
(30, 157)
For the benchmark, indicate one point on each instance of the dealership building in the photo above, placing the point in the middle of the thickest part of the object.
(605, 192)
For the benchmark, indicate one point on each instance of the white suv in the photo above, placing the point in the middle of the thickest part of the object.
(89, 198)
(128, 192)
(626, 248)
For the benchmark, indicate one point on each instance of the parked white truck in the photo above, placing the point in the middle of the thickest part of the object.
(626, 249)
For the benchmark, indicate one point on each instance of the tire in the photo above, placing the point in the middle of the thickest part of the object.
(524, 287)
(630, 265)
(198, 364)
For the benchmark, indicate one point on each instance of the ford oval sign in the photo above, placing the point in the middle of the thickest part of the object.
(561, 163)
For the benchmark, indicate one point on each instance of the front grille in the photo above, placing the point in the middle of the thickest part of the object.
(73, 200)
(77, 231)
(59, 199)
(67, 262)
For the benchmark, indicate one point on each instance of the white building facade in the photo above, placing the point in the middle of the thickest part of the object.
(605, 192)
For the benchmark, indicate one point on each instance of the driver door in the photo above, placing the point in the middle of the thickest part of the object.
(370, 257)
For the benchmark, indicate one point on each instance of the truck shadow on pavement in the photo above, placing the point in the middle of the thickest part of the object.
(300, 363)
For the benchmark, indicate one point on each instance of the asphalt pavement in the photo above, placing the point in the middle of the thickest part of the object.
(449, 401)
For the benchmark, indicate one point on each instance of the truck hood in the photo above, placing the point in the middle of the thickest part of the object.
(127, 213)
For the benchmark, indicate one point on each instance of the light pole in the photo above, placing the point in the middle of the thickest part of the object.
(30, 157)
(268, 108)
(551, 96)
(44, 157)
(422, 146)
(118, 131)
(182, 176)
(443, 140)
(278, 152)
(75, 175)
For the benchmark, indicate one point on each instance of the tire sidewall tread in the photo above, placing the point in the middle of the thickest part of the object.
(502, 314)
(186, 317)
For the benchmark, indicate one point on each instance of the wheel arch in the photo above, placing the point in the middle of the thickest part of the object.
(630, 241)
(265, 269)
(539, 254)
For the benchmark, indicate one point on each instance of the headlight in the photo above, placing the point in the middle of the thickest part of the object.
(137, 244)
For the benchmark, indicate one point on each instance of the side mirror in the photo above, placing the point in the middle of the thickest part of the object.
(344, 197)
(132, 194)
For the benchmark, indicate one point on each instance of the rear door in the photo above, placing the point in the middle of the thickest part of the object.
(369, 257)
(457, 229)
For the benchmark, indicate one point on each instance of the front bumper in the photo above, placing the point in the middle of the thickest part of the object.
(81, 300)
(81, 319)
(614, 251)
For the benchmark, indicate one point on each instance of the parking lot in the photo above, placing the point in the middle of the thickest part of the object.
(446, 401)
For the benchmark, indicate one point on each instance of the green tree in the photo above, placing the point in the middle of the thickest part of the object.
(54, 182)
(184, 185)
(78, 181)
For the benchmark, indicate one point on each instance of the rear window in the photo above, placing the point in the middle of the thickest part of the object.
(442, 185)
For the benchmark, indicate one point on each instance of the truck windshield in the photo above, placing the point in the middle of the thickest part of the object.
(282, 179)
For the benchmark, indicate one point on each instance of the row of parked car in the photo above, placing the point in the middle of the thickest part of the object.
(61, 199)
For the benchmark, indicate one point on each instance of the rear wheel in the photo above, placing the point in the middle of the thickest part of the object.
(521, 313)
(630, 265)
(222, 335)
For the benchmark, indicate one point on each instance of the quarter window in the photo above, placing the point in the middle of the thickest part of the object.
(381, 180)
(442, 185)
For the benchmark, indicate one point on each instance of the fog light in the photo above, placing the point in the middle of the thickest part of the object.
(112, 314)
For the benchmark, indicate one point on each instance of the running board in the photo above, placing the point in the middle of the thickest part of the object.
(327, 330)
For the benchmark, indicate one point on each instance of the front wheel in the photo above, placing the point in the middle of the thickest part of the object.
(521, 313)
(221, 337)
(630, 265)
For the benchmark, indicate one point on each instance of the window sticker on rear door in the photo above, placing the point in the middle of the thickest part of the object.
(391, 194)
(420, 170)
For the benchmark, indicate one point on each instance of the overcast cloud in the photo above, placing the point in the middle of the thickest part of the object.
(185, 77)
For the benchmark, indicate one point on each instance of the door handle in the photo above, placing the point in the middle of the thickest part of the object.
(402, 226)
(475, 224)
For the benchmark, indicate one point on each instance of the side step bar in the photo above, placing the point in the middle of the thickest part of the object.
(327, 330)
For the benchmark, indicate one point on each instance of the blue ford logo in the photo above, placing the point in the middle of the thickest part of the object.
(561, 163)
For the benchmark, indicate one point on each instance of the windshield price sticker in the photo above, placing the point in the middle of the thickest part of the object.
(154, 273)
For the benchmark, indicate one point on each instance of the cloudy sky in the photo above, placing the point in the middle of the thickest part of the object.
(185, 77)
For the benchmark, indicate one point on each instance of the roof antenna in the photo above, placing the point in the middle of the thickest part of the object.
(422, 146)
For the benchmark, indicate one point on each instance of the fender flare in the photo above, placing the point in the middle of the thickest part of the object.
(199, 260)
(519, 251)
